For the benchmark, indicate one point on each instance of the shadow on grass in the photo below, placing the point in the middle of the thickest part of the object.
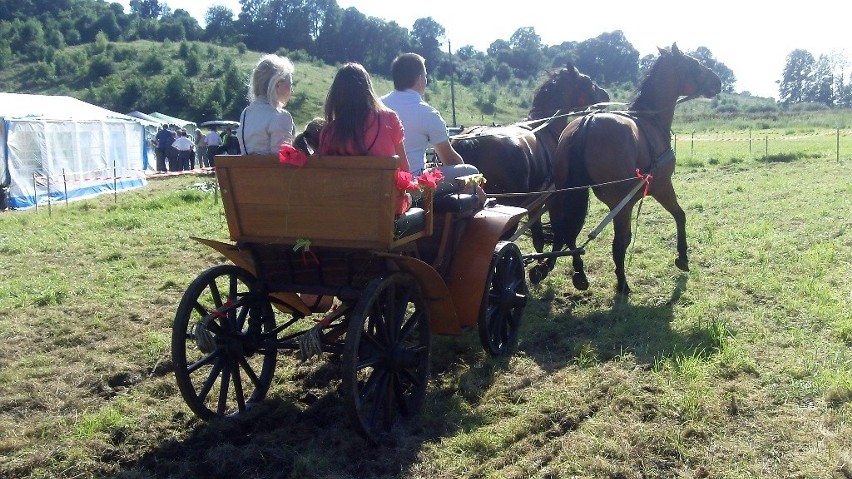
(560, 338)
(304, 434)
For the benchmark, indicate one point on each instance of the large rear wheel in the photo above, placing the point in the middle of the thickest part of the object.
(386, 354)
(223, 343)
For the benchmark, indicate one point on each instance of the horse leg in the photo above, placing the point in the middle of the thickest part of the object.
(620, 242)
(567, 219)
(667, 198)
(537, 233)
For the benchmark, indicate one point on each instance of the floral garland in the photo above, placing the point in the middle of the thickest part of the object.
(406, 182)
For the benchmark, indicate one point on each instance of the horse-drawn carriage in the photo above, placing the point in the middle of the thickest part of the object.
(328, 230)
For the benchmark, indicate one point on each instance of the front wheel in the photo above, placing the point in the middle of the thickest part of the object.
(504, 300)
(219, 343)
(386, 355)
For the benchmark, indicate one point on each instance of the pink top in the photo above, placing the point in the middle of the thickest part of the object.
(380, 137)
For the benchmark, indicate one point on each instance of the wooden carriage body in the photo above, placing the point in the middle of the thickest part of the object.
(342, 209)
(329, 229)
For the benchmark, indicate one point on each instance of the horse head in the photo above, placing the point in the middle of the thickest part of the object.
(695, 79)
(565, 90)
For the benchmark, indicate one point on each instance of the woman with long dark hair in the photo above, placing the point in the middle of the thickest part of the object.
(358, 121)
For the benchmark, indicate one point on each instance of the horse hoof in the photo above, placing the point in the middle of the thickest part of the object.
(682, 264)
(581, 282)
(623, 290)
(538, 273)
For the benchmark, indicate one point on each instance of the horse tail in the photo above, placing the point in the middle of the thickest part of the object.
(573, 202)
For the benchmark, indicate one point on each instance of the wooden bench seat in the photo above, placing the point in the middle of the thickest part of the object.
(331, 201)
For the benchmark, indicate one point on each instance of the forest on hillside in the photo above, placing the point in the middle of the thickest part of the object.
(42, 34)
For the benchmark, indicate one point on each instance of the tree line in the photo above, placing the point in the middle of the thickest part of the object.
(35, 30)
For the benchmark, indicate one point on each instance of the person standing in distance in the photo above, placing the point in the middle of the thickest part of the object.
(264, 124)
(212, 142)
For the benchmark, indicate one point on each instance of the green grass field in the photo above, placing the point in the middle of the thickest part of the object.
(741, 368)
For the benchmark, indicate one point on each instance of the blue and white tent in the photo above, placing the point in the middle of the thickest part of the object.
(59, 147)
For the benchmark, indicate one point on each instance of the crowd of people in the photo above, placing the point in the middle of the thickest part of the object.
(175, 150)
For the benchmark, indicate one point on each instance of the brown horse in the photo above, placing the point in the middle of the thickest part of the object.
(517, 158)
(614, 153)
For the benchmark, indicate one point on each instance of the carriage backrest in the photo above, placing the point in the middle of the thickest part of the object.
(331, 201)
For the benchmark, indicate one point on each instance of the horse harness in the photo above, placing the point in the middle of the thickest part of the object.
(657, 158)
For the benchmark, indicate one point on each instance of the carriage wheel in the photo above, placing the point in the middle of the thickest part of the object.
(221, 366)
(504, 299)
(386, 354)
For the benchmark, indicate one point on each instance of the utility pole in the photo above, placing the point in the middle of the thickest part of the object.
(452, 80)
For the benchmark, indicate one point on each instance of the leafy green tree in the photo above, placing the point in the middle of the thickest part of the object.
(69, 63)
(5, 55)
(796, 79)
(220, 25)
(326, 45)
(822, 82)
(146, 8)
(526, 56)
(108, 24)
(152, 64)
(426, 37)
(100, 66)
(192, 64)
(177, 95)
(503, 73)
(608, 58)
(559, 55)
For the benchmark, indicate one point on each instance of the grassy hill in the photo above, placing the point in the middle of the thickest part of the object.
(202, 81)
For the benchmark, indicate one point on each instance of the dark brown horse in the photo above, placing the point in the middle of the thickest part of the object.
(609, 151)
(517, 158)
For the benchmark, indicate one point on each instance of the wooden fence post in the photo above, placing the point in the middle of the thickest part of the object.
(692, 144)
(65, 185)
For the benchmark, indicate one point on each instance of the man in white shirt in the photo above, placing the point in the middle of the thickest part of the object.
(185, 151)
(213, 140)
(422, 123)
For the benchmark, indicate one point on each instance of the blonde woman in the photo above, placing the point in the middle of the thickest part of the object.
(264, 124)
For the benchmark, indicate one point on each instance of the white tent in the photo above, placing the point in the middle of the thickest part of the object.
(58, 148)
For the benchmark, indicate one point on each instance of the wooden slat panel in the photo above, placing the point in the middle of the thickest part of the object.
(331, 201)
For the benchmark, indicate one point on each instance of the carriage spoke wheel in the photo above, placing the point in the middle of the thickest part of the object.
(504, 300)
(221, 365)
(386, 354)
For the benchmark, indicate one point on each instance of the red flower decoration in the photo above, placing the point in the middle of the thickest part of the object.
(405, 181)
(292, 156)
(430, 179)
